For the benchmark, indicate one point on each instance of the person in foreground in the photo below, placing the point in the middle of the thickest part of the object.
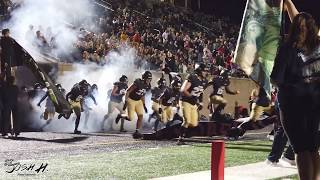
(296, 72)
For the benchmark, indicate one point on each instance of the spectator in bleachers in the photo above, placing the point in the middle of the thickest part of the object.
(156, 31)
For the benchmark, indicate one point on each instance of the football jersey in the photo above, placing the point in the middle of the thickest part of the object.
(121, 90)
(140, 90)
(196, 89)
(76, 93)
(156, 93)
(170, 96)
(219, 84)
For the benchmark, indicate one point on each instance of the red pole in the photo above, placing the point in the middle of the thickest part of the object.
(217, 160)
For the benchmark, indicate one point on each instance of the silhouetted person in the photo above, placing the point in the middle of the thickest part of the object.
(10, 100)
(7, 52)
(1, 107)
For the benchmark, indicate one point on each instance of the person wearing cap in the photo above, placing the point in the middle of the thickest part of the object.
(116, 101)
(192, 99)
(135, 100)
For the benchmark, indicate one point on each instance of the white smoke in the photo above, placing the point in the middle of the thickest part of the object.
(104, 77)
(122, 62)
(53, 18)
(57, 15)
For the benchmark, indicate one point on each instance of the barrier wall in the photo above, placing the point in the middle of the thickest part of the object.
(245, 87)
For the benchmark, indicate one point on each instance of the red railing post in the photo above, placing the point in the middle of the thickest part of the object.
(217, 160)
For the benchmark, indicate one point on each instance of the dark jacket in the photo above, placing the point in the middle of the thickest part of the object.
(288, 74)
(1, 97)
(10, 95)
(287, 71)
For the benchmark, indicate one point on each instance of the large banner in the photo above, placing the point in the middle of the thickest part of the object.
(62, 106)
(259, 39)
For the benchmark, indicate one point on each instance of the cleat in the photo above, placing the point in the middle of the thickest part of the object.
(180, 142)
(235, 133)
(5, 136)
(123, 130)
(76, 132)
(137, 135)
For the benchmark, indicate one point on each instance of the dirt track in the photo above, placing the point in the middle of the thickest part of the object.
(37, 145)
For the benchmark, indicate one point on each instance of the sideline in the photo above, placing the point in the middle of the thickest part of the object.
(255, 171)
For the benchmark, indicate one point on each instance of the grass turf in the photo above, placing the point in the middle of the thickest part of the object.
(146, 163)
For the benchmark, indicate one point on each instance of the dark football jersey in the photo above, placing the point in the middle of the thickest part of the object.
(122, 87)
(196, 89)
(170, 96)
(219, 84)
(76, 93)
(156, 93)
(140, 90)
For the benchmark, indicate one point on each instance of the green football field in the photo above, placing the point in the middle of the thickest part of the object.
(145, 163)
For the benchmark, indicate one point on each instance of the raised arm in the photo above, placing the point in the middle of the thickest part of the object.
(184, 88)
(93, 98)
(290, 8)
(233, 92)
(42, 99)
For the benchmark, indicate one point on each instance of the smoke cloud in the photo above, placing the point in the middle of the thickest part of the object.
(53, 19)
(104, 77)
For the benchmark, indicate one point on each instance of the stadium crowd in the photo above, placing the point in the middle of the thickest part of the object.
(164, 36)
(7, 6)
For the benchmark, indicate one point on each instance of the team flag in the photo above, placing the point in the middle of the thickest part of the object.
(259, 40)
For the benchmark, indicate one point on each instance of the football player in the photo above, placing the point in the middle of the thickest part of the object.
(92, 92)
(191, 99)
(116, 101)
(49, 112)
(220, 84)
(75, 98)
(169, 98)
(156, 94)
(135, 100)
(262, 105)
